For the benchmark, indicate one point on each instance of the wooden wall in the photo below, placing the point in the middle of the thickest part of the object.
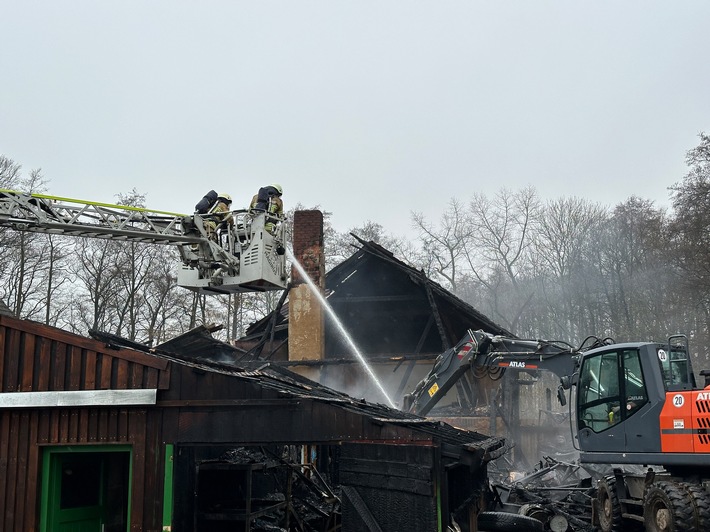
(37, 358)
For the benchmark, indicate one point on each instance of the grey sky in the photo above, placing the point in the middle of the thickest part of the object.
(369, 109)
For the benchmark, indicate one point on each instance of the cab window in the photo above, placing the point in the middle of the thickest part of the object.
(611, 388)
(634, 387)
(674, 366)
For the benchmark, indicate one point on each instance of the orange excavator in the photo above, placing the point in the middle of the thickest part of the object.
(633, 404)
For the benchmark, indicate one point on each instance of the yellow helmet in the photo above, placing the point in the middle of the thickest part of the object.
(278, 187)
(225, 197)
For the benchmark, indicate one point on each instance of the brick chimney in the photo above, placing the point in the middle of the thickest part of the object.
(305, 313)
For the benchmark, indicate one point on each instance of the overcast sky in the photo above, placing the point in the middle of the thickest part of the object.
(369, 109)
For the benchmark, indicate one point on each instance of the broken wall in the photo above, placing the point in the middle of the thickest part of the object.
(388, 487)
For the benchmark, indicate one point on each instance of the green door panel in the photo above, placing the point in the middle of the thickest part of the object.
(86, 489)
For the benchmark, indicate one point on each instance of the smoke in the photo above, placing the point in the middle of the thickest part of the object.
(354, 381)
(336, 321)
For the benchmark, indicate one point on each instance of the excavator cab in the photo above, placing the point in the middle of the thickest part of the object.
(632, 399)
(611, 389)
(637, 405)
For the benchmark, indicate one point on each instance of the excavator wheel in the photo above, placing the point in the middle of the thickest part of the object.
(667, 507)
(507, 522)
(609, 508)
(701, 505)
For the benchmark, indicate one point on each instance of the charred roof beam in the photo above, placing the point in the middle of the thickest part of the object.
(437, 317)
(370, 299)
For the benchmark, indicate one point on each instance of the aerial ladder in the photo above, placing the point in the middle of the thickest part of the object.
(239, 257)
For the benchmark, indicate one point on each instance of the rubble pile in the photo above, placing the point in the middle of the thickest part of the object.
(311, 503)
(557, 493)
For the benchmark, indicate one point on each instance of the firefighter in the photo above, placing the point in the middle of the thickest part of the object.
(268, 200)
(219, 216)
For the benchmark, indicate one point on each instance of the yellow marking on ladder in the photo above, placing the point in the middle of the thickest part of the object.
(85, 202)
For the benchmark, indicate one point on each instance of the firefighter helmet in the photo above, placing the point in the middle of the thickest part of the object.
(278, 188)
(225, 197)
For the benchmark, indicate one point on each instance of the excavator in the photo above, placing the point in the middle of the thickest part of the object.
(635, 408)
(242, 256)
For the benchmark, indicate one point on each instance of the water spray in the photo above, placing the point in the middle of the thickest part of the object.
(333, 316)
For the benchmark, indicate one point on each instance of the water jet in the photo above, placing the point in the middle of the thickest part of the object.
(341, 328)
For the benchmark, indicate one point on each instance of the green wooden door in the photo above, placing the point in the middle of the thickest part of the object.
(86, 489)
(76, 494)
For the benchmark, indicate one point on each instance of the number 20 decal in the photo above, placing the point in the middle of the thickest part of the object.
(678, 400)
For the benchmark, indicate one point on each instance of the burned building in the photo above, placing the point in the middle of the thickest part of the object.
(400, 321)
(106, 434)
(396, 316)
(103, 434)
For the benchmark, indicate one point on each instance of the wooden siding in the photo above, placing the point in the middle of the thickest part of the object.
(37, 358)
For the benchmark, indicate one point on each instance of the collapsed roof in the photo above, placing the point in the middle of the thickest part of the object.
(390, 308)
(197, 349)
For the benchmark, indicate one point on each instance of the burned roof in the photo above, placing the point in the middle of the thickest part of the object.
(198, 341)
(390, 308)
(197, 350)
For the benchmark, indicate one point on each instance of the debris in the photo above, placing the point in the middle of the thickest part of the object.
(298, 497)
(557, 493)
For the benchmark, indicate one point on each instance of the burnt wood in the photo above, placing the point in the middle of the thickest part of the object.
(201, 404)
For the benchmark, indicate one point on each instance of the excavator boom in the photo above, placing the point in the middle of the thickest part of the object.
(478, 349)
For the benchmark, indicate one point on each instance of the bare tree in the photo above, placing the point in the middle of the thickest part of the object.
(30, 270)
(164, 303)
(57, 252)
(561, 258)
(633, 269)
(10, 178)
(98, 281)
(691, 220)
(690, 235)
(444, 245)
(341, 246)
(498, 250)
(136, 262)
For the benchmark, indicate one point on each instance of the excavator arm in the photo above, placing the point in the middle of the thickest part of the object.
(482, 352)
